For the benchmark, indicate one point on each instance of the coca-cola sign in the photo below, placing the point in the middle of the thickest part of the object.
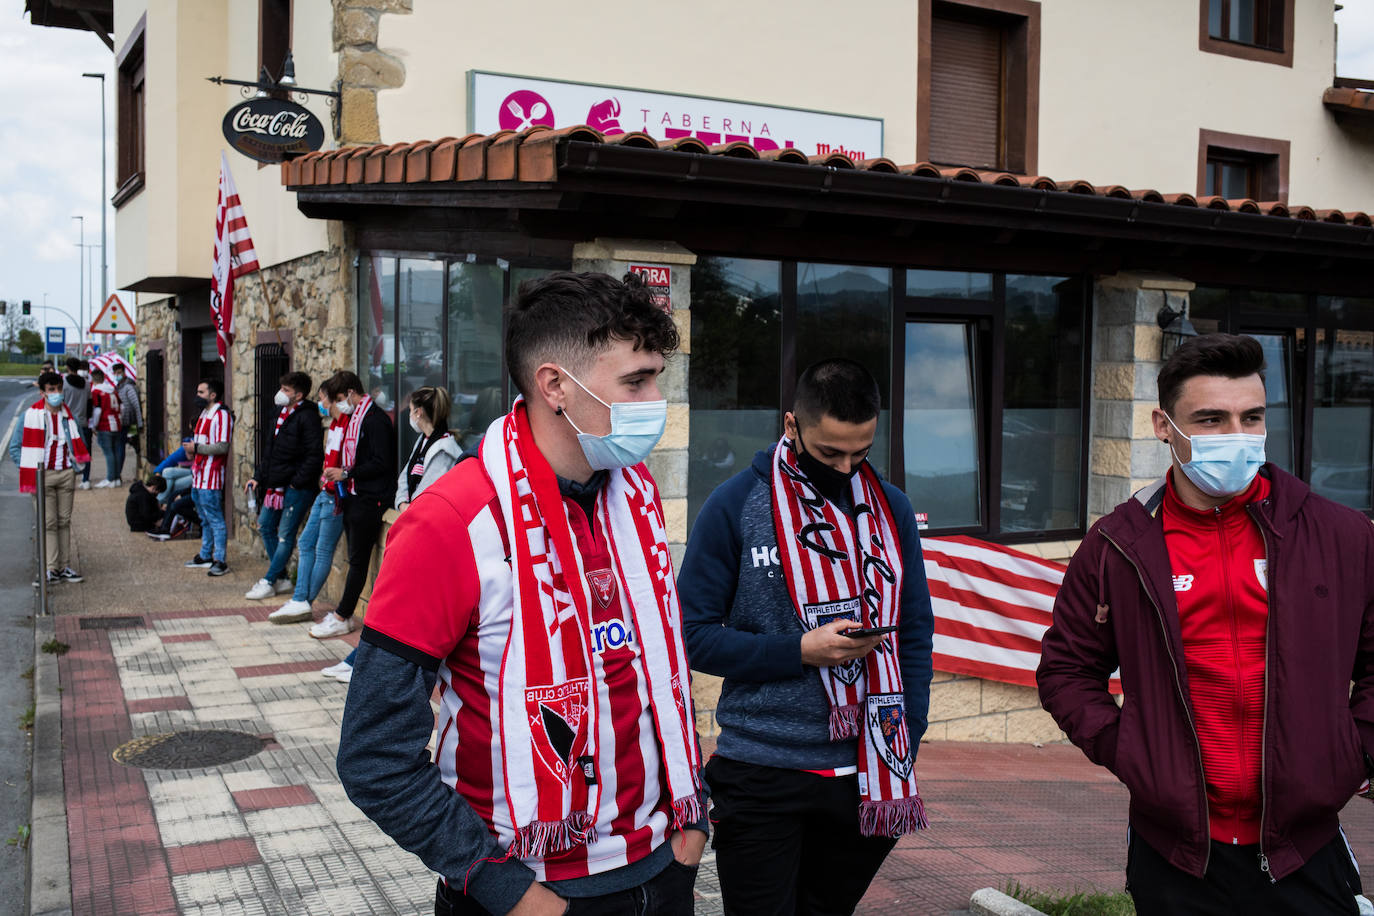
(272, 130)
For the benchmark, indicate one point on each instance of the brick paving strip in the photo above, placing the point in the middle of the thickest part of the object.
(274, 833)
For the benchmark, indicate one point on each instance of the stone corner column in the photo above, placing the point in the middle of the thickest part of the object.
(1124, 453)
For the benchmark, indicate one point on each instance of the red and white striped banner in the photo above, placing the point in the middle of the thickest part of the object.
(992, 605)
(105, 361)
(234, 256)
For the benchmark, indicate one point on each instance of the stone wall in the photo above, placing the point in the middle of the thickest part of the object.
(363, 67)
(156, 321)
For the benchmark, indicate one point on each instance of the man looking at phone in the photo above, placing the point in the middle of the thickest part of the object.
(803, 586)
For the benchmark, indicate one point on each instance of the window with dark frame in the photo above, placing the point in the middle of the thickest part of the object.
(130, 123)
(1258, 30)
(978, 83)
(274, 35)
(1236, 167)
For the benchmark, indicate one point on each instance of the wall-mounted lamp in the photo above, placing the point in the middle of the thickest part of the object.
(1177, 329)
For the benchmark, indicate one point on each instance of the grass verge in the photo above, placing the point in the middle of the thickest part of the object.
(1079, 903)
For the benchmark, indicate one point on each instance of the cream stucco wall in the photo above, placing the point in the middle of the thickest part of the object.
(1124, 87)
(167, 229)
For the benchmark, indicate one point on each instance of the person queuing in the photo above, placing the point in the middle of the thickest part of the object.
(434, 455)
(367, 472)
(803, 586)
(130, 417)
(209, 451)
(105, 423)
(568, 764)
(49, 437)
(323, 527)
(1239, 607)
(76, 394)
(288, 478)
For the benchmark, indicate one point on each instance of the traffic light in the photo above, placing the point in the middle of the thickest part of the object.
(3, 306)
(27, 306)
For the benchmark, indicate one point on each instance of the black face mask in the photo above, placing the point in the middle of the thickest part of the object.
(831, 483)
(200, 403)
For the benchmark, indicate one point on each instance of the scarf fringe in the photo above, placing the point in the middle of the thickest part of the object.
(686, 811)
(540, 838)
(844, 722)
(892, 817)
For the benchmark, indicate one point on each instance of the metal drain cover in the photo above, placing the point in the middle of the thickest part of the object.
(111, 623)
(188, 750)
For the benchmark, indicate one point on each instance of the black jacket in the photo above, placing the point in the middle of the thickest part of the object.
(295, 456)
(374, 467)
(141, 509)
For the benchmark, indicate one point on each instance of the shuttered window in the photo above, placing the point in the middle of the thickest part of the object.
(966, 97)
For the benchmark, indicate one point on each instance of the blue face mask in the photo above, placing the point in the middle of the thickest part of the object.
(53, 398)
(1224, 464)
(636, 427)
(324, 411)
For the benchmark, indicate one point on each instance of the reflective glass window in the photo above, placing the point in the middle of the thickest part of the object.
(377, 324)
(948, 284)
(940, 441)
(419, 341)
(475, 380)
(1343, 417)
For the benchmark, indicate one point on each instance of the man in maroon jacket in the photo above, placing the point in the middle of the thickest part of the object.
(1239, 607)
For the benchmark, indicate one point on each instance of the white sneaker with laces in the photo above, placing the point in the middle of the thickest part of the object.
(291, 612)
(335, 670)
(261, 589)
(283, 586)
(343, 677)
(332, 625)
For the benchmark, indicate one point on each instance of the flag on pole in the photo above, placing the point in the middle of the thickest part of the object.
(992, 606)
(234, 256)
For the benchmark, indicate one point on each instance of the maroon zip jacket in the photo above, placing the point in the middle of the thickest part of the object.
(1117, 607)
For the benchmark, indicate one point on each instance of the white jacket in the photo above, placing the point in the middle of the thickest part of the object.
(438, 460)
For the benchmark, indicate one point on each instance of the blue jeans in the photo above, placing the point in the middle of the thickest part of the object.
(278, 528)
(121, 442)
(321, 535)
(178, 482)
(214, 536)
(106, 440)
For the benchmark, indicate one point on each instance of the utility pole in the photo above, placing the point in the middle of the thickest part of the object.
(81, 280)
(104, 198)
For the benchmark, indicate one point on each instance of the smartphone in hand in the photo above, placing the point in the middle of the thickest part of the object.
(865, 632)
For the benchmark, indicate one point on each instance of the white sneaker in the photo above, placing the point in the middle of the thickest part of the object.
(262, 589)
(117, 482)
(283, 586)
(84, 485)
(104, 485)
(332, 625)
(291, 612)
(343, 677)
(336, 670)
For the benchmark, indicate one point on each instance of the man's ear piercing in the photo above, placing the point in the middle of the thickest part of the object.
(558, 411)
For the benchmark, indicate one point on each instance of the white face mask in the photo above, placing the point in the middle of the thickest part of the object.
(636, 427)
(345, 407)
(281, 399)
(416, 426)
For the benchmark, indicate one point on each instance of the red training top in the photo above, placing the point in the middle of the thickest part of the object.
(1219, 566)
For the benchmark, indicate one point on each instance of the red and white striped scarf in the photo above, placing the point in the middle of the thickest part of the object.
(276, 497)
(549, 727)
(333, 452)
(42, 444)
(838, 568)
(351, 436)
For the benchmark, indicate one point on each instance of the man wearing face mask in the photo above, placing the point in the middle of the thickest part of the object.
(534, 583)
(286, 480)
(49, 437)
(803, 587)
(1239, 607)
(209, 451)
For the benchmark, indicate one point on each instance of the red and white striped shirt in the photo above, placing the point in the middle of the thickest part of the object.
(57, 450)
(104, 408)
(463, 618)
(212, 426)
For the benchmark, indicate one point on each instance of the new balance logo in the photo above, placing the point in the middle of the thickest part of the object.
(764, 556)
(1183, 583)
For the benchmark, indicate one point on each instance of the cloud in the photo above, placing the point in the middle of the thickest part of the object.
(1355, 40)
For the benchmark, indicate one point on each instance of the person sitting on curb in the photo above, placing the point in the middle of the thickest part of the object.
(141, 509)
(49, 438)
(286, 479)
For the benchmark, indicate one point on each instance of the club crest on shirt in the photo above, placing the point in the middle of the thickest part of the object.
(557, 714)
(885, 722)
(818, 615)
(602, 582)
(1262, 573)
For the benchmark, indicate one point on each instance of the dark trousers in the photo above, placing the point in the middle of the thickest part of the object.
(787, 842)
(669, 893)
(362, 523)
(1235, 886)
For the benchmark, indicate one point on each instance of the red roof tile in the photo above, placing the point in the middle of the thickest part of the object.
(531, 156)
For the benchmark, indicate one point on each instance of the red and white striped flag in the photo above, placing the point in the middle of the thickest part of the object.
(234, 256)
(109, 359)
(992, 606)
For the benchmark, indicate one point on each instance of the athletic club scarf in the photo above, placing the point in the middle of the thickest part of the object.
(333, 451)
(276, 497)
(549, 727)
(36, 443)
(839, 568)
(351, 436)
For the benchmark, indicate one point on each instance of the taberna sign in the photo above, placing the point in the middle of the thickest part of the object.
(272, 130)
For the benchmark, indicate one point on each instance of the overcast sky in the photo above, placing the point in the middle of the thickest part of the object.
(50, 154)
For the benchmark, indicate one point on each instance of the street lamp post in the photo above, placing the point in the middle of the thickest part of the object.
(104, 198)
(81, 280)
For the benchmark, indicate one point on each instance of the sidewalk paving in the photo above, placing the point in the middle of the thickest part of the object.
(274, 834)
